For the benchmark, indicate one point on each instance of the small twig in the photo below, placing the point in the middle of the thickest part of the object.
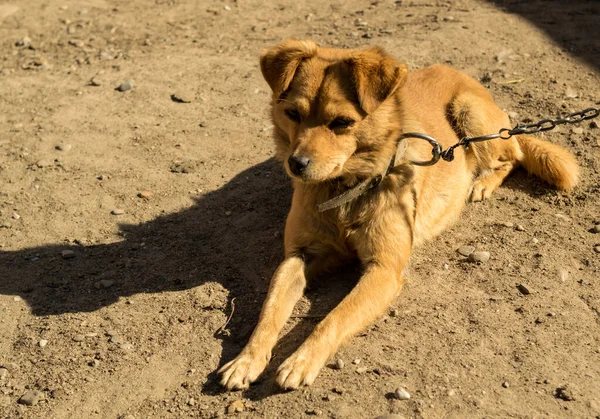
(222, 328)
(515, 81)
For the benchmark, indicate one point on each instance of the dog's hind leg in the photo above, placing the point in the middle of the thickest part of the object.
(472, 113)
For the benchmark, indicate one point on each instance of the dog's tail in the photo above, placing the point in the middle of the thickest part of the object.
(551, 162)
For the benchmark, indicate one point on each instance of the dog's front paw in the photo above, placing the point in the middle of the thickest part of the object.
(301, 368)
(481, 191)
(242, 371)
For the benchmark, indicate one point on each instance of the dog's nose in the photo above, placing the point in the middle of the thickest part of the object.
(298, 164)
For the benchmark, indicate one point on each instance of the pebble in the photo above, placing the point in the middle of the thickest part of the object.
(145, 194)
(597, 248)
(506, 384)
(314, 412)
(520, 227)
(31, 398)
(339, 364)
(116, 339)
(126, 346)
(394, 313)
(118, 211)
(25, 42)
(125, 86)
(524, 289)
(507, 224)
(3, 374)
(67, 254)
(182, 96)
(104, 283)
(182, 168)
(390, 415)
(466, 250)
(78, 338)
(44, 163)
(112, 332)
(402, 394)
(16, 216)
(43, 343)
(577, 130)
(564, 393)
(451, 393)
(64, 147)
(361, 370)
(191, 402)
(356, 361)
(236, 407)
(96, 81)
(479, 257)
(564, 275)
(595, 229)
(535, 241)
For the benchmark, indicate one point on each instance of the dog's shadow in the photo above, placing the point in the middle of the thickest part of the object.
(232, 236)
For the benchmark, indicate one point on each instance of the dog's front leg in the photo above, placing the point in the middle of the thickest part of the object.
(286, 288)
(373, 294)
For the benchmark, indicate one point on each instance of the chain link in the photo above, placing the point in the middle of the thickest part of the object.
(504, 133)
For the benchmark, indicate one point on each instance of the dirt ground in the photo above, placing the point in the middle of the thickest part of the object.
(120, 316)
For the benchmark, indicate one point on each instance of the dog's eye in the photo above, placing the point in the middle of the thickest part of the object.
(293, 115)
(340, 123)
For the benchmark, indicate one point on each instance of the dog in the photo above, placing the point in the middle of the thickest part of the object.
(337, 117)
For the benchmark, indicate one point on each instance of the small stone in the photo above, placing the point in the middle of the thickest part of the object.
(451, 393)
(228, 213)
(182, 168)
(394, 313)
(182, 96)
(361, 370)
(236, 407)
(535, 241)
(465, 250)
(16, 216)
(507, 224)
(43, 343)
(191, 402)
(112, 332)
(67, 254)
(577, 130)
(520, 227)
(3, 373)
(118, 211)
(44, 163)
(479, 257)
(339, 364)
(116, 339)
(356, 361)
(391, 415)
(597, 248)
(506, 384)
(64, 147)
(125, 86)
(104, 283)
(595, 229)
(25, 42)
(564, 275)
(78, 338)
(402, 394)
(31, 398)
(145, 194)
(96, 81)
(593, 125)
(126, 346)
(564, 393)
(314, 412)
(524, 289)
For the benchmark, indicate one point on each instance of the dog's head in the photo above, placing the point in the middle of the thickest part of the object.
(334, 111)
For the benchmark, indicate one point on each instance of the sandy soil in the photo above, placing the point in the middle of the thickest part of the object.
(112, 316)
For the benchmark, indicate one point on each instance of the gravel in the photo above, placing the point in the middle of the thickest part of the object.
(524, 289)
(338, 364)
(182, 96)
(118, 211)
(68, 254)
(78, 338)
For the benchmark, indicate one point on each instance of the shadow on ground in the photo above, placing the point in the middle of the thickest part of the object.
(572, 24)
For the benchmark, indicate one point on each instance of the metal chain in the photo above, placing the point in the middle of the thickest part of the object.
(504, 133)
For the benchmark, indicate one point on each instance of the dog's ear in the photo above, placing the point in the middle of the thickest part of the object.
(279, 64)
(375, 76)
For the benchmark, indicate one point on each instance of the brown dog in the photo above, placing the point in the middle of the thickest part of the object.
(337, 117)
